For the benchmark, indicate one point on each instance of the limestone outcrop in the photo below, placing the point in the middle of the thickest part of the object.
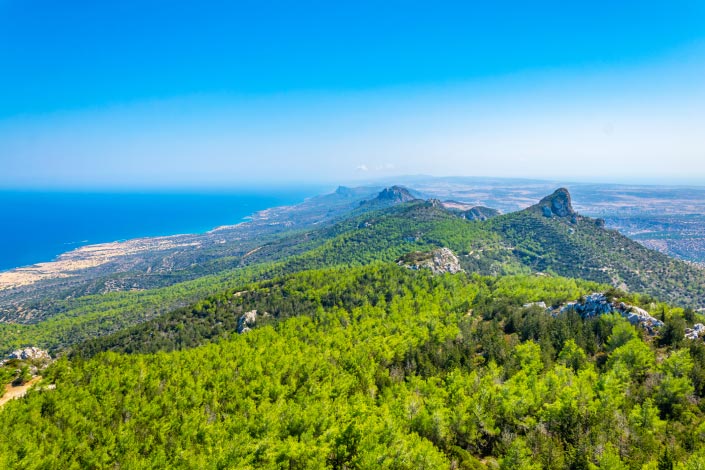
(557, 204)
(440, 261)
(597, 304)
(247, 321)
(31, 353)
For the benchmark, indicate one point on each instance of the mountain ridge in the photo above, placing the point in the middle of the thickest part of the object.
(520, 242)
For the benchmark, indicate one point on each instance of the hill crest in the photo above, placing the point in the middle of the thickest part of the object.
(558, 204)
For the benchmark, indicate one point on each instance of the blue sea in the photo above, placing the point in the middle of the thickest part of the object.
(38, 226)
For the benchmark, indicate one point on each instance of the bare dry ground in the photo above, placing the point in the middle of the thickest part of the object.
(12, 393)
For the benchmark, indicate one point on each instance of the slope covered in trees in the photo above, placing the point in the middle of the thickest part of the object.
(585, 250)
(381, 367)
(303, 295)
(563, 243)
(516, 243)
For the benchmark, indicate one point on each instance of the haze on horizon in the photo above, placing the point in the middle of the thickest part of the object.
(173, 94)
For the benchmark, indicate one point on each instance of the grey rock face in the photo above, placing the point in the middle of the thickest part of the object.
(395, 194)
(695, 332)
(594, 304)
(246, 321)
(445, 261)
(558, 204)
(389, 197)
(638, 316)
(598, 304)
(480, 213)
(31, 353)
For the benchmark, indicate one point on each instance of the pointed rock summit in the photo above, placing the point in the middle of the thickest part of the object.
(557, 204)
(395, 195)
(389, 197)
(344, 191)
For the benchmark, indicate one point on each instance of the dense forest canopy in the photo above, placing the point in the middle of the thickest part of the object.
(374, 367)
(335, 347)
(517, 243)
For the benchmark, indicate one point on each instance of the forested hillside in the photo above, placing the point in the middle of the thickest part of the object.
(184, 285)
(583, 249)
(319, 350)
(562, 243)
(374, 367)
(305, 294)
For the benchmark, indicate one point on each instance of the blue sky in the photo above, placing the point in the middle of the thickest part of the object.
(157, 93)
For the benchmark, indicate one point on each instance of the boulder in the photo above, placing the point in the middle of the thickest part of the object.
(592, 305)
(695, 332)
(536, 304)
(247, 321)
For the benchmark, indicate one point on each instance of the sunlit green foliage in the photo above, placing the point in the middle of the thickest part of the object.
(517, 243)
(372, 367)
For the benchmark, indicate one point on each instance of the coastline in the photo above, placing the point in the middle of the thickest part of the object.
(86, 257)
(70, 263)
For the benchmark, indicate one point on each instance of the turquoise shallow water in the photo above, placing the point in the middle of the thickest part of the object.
(38, 226)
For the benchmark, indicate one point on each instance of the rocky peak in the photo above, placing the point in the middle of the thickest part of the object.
(344, 191)
(480, 213)
(395, 195)
(557, 204)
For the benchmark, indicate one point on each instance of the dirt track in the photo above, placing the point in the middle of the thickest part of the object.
(17, 392)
